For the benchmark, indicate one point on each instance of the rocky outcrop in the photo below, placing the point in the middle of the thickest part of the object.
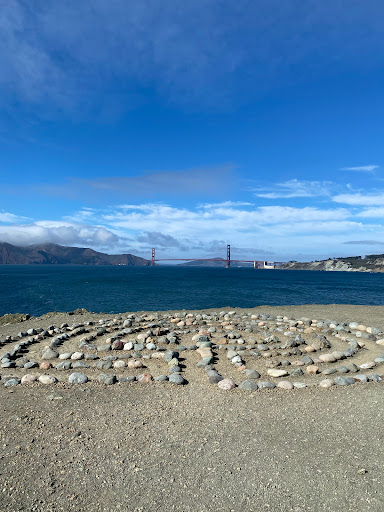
(371, 263)
(60, 255)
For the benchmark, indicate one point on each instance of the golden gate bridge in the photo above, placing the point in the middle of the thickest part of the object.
(227, 260)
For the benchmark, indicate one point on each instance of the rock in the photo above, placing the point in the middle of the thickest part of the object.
(45, 365)
(64, 365)
(329, 371)
(80, 364)
(374, 377)
(327, 358)
(119, 364)
(76, 356)
(274, 372)
(215, 379)
(12, 382)
(31, 364)
(226, 384)
(177, 379)
(135, 364)
(252, 374)
(29, 378)
(297, 372)
(161, 378)
(47, 379)
(128, 346)
(151, 346)
(128, 378)
(360, 378)
(138, 347)
(342, 369)
(285, 384)
(106, 379)
(344, 381)
(50, 354)
(104, 348)
(117, 345)
(367, 366)
(326, 383)
(307, 360)
(77, 378)
(144, 378)
(248, 385)
(299, 385)
(338, 354)
(380, 342)
(312, 369)
(175, 369)
(173, 362)
(169, 355)
(66, 355)
(266, 385)
(103, 365)
(352, 367)
(236, 359)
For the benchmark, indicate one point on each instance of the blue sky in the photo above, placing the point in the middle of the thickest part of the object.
(189, 125)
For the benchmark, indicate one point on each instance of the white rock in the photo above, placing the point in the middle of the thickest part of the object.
(47, 379)
(274, 372)
(77, 355)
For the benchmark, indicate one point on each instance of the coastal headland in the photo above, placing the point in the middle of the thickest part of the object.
(270, 408)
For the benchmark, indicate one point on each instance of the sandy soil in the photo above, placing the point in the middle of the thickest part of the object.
(154, 447)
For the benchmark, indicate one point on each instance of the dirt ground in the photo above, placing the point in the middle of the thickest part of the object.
(154, 447)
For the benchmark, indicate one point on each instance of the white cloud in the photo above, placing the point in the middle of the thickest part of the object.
(62, 233)
(360, 199)
(11, 217)
(294, 188)
(362, 168)
(372, 213)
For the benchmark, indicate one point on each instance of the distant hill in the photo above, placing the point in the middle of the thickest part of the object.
(220, 263)
(53, 254)
(371, 263)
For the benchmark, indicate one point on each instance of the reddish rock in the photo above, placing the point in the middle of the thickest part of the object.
(45, 365)
(144, 378)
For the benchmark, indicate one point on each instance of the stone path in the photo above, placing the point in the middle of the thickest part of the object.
(227, 349)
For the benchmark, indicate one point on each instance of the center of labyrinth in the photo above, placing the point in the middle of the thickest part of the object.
(226, 349)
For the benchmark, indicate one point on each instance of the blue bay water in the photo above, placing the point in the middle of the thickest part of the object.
(112, 289)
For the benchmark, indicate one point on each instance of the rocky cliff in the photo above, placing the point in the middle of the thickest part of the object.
(371, 263)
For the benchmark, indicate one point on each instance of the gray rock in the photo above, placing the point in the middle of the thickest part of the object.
(214, 379)
(50, 354)
(31, 364)
(344, 381)
(252, 374)
(176, 378)
(161, 378)
(103, 378)
(12, 382)
(129, 378)
(266, 385)
(361, 377)
(297, 372)
(138, 347)
(174, 369)
(103, 365)
(374, 377)
(343, 369)
(299, 385)
(307, 360)
(80, 364)
(248, 385)
(104, 348)
(329, 371)
(352, 367)
(64, 365)
(169, 355)
(77, 378)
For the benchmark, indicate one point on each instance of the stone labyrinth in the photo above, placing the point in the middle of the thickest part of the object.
(224, 349)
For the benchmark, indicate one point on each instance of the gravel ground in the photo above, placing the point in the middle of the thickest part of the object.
(135, 447)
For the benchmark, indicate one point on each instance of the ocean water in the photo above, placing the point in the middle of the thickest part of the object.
(112, 289)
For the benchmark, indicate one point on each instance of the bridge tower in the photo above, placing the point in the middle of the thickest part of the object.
(153, 257)
(228, 260)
